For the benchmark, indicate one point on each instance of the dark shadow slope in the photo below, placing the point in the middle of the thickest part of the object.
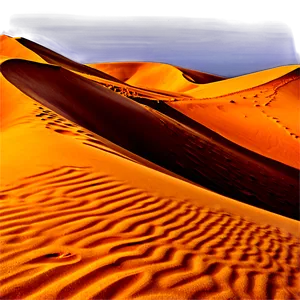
(158, 138)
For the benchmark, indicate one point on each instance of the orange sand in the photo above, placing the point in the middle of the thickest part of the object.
(264, 119)
(156, 75)
(83, 218)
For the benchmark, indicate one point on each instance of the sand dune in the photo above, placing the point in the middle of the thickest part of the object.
(270, 130)
(176, 147)
(88, 235)
(156, 75)
(9, 47)
(240, 83)
(85, 218)
(26, 49)
(93, 228)
(263, 119)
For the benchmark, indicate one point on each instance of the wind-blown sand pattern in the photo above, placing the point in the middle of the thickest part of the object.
(96, 207)
(82, 234)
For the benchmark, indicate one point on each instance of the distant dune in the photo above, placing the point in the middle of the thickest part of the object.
(156, 75)
(240, 83)
(111, 191)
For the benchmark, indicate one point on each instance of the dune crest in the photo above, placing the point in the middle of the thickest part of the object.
(177, 148)
(263, 119)
(158, 76)
(26, 49)
(97, 200)
(9, 47)
(240, 83)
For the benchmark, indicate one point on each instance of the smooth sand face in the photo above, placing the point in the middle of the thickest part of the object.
(157, 76)
(11, 48)
(81, 219)
(263, 119)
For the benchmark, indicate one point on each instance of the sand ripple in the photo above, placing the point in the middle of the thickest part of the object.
(70, 233)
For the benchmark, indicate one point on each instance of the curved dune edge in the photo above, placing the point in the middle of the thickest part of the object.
(258, 104)
(160, 76)
(96, 225)
(9, 47)
(14, 103)
(25, 49)
(80, 220)
(33, 120)
(181, 150)
(141, 92)
(240, 83)
(171, 78)
(20, 47)
(263, 119)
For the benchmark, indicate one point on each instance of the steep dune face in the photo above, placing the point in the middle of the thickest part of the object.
(121, 70)
(57, 59)
(176, 147)
(162, 77)
(200, 77)
(83, 101)
(83, 223)
(83, 218)
(263, 119)
(156, 75)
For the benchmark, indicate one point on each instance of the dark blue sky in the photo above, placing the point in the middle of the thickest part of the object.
(213, 46)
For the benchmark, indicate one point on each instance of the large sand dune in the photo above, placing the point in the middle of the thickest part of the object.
(264, 119)
(176, 147)
(85, 214)
(264, 107)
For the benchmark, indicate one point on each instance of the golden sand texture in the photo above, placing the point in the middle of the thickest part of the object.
(82, 234)
(84, 218)
(263, 119)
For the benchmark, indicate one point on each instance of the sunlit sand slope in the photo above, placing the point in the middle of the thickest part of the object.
(79, 222)
(84, 218)
(14, 103)
(264, 119)
(26, 49)
(69, 233)
(240, 83)
(178, 148)
(9, 47)
(159, 76)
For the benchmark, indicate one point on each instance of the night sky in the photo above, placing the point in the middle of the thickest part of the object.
(228, 46)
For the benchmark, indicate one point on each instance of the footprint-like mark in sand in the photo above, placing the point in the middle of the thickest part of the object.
(271, 95)
(279, 123)
(86, 235)
(63, 126)
(65, 132)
